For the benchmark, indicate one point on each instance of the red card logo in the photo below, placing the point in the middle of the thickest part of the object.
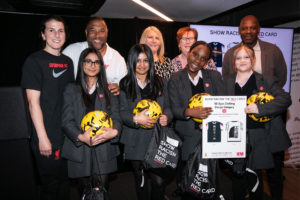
(101, 96)
(261, 88)
(224, 110)
(207, 85)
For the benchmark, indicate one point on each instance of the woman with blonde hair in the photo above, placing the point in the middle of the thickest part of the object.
(152, 37)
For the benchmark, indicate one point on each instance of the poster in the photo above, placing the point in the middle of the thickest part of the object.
(224, 131)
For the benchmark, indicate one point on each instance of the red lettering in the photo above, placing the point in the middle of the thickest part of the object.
(58, 65)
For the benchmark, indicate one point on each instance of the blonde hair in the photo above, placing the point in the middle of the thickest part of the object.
(248, 50)
(161, 49)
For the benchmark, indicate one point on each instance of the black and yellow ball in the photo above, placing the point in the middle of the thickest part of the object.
(197, 101)
(154, 109)
(260, 98)
(96, 119)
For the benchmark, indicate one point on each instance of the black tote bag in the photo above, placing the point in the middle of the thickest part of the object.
(199, 176)
(163, 152)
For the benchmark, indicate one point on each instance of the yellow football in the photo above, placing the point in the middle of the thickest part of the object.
(96, 119)
(260, 98)
(197, 101)
(154, 108)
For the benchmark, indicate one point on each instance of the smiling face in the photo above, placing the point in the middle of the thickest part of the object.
(249, 30)
(91, 65)
(197, 59)
(54, 35)
(243, 61)
(186, 41)
(142, 65)
(96, 33)
(153, 41)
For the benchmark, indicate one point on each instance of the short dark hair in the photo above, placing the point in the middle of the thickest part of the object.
(201, 43)
(48, 18)
(95, 18)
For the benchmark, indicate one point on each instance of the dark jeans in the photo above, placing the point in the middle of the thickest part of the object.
(275, 177)
(157, 183)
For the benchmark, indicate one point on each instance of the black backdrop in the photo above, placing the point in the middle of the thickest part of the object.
(20, 37)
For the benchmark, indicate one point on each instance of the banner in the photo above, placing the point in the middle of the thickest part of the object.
(293, 122)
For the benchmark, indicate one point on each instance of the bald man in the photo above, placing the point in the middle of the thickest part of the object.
(269, 63)
(96, 35)
(269, 59)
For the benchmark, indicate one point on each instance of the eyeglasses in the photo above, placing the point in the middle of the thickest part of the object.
(191, 39)
(89, 62)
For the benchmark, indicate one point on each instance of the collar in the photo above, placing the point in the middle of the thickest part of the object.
(140, 83)
(196, 78)
(256, 46)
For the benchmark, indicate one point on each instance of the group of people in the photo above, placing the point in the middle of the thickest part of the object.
(63, 86)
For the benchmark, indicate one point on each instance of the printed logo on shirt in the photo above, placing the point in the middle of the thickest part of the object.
(59, 66)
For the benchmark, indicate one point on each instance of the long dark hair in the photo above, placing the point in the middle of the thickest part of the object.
(81, 78)
(129, 83)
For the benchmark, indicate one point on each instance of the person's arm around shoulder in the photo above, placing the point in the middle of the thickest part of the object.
(35, 110)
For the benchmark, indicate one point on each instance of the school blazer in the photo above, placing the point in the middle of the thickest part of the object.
(180, 92)
(133, 134)
(72, 114)
(278, 138)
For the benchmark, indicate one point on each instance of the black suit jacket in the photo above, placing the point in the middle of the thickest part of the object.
(72, 114)
(180, 91)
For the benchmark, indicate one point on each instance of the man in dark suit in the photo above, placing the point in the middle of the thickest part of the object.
(270, 63)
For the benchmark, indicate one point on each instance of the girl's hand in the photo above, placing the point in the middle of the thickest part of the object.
(85, 137)
(103, 137)
(198, 112)
(144, 120)
(251, 109)
(163, 120)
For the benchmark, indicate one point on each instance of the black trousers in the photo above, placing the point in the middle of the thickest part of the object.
(53, 176)
(141, 176)
(52, 188)
(241, 186)
(275, 176)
